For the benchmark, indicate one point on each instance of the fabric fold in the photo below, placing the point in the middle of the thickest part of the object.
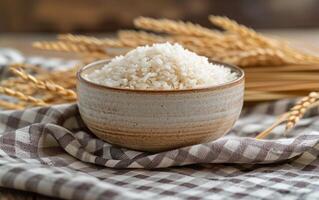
(30, 132)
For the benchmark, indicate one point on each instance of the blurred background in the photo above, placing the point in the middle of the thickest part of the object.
(109, 15)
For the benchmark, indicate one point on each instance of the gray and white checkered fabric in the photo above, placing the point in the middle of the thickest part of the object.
(49, 150)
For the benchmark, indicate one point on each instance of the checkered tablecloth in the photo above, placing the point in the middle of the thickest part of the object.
(50, 151)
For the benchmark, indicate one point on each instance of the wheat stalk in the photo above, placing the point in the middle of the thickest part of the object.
(300, 58)
(68, 47)
(10, 106)
(21, 96)
(90, 41)
(227, 43)
(273, 69)
(52, 87)
(29, 67)
(140, 37)
(174, 27)
(292, 117)
(258, 56)
(243, 31)
(298, 111)
(256, 39)
(256, 96)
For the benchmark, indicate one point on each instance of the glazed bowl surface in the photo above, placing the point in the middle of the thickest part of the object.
(159, 120)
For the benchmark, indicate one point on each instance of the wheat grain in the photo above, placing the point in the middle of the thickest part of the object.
(292, 117)
(91, 57)
(90, 41)
(52, 87)
(244, 32)
(300, 58)
(226, 43)
(30, 67)
(140, 37)
(21, 96)
(174, 27)
(67, 47)
(298, 111)
(10, 106)
(258, 56)
(283, 86)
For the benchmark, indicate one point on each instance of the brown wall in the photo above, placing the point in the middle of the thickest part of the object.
(109, 15)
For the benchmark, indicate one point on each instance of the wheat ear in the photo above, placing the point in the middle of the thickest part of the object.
(29, 67)
(300, 58)
(52, 87)
(21, 96)
(298, 111)
(292, 117)
(67, 47)
(136, 38)
(257, 56)
(245, 32)
(10, 106)
(174, 27)
(90, 41)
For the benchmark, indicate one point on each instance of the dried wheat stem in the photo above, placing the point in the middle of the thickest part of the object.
(285, 68)
(282, 86)
(34, 68)
(298, 111)
(52, 87)
(91, 57)
(294, 114)
(67, 47)
(141, 36)
(174, 27)
(21, 96)
(258, 56)
(266, 132)
(245, 32)
(202, 42)
(301, 58)
(136, 38)
(90, 41)
(253, 95)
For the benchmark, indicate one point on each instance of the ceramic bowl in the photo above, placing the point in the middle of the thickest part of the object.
(157, 120)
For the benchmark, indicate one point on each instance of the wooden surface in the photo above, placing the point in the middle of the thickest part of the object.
(307, 40)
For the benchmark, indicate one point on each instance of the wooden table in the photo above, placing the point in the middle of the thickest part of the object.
(307, 40)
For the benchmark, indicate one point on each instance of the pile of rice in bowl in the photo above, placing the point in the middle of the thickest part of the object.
(161, 67)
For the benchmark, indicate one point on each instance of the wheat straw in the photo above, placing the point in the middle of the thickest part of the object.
(245, 32)
(174, 27)
(10, 106)
(67, 47)
(21, 96)
(258, 56)
(68, 94)
(292, 117)
(273, 69)
(298, 111)
(140, 37)
(90, 41)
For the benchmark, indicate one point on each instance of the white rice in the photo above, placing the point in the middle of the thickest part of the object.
(161, 67)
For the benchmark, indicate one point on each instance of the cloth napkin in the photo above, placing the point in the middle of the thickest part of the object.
(49, 150)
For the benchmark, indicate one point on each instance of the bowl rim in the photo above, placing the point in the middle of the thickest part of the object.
(238, 80)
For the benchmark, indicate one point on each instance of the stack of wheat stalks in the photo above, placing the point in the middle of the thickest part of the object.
(273, 69)
(35, 86)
